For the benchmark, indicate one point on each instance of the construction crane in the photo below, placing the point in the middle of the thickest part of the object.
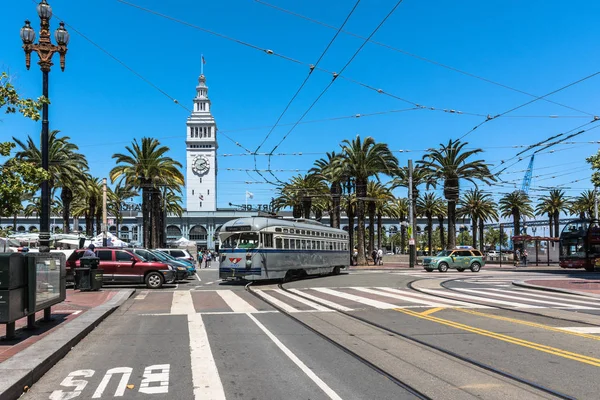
(527, 177)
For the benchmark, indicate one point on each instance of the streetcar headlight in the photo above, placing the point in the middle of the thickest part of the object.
(248, 263)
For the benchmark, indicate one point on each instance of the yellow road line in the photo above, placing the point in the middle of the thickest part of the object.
(509, 339)
(432, 310)
(533, 324)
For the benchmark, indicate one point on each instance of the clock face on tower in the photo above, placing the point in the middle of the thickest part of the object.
(200, 165)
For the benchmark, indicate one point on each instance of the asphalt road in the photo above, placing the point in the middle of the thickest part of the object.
(206, 340)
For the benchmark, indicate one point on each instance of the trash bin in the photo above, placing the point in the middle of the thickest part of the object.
(96, 276)
(89, 262)
(83, 278)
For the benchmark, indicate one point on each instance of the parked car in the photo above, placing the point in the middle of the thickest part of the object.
(191, 268)
(179, 253)
(123, 266)
(181, 270)
(459, 258)
(493, 254)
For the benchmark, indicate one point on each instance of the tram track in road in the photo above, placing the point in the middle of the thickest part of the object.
(411, 339)
(346, 350)
(411, 286)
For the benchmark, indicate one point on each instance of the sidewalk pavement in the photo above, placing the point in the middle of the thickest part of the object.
(581, 286)
(33, 352)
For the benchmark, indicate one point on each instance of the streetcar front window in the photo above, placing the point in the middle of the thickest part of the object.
(246, 240)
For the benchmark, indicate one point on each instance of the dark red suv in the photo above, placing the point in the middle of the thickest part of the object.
(122, 266)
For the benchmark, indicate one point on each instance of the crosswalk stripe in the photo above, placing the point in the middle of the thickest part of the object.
(182, 303)
(358, 299)
(276, 301)
(505, 296)
(575, 296)
(235, 302)
(556, 297)
(303, 301)
(478, 298)
(445, 302)
(399, 297)
(322, 301)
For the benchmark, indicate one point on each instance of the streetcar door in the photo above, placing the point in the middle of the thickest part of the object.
(267, 243)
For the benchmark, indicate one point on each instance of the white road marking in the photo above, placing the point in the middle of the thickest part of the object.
(477, 298)
(303, 301)
(323, 301)
(214, 313)
(576, 296)
(142, 295)
(318, 381)
(72, 312)
(395, 295)
(582, 329)
(430, 297)
(235, 302)
(205, 375)
(358, 299)
(199, 280)
(556, 296)
(156, 379)
(506, 296)
(182, 302)
(208, 283)
(126, 373)
(277, 302)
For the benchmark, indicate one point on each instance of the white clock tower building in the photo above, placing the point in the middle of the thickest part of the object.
(201, 158)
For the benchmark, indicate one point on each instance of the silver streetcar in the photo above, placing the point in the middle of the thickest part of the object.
(258, 248)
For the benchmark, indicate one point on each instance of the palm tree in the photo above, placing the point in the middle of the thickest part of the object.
(584, 204)
(378, 196)
(400, 207)
(441, 214)
(116, 198)
(420, 176)
(451, 164)
(516, 204)
(349, 204)
(552, 205)
(428, 206)
(146, 168)
(299, 193)
(331, 170)
(479, 207)
(66, 167)
(363, 159)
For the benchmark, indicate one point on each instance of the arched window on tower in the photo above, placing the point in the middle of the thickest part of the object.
(191, 132)
(209, 130)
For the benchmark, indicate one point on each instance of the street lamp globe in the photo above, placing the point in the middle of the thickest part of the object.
(61, 35)
(44, 10)
(27, 33)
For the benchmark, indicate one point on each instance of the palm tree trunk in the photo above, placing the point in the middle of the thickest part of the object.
(297, 211)
(474, 225)
(306, 206)
(92, 213)
(99, 221)
(350, 214)
(371, 208)
(550, 223)
(517, 223)
(66, 195)
(442, 239)
(361, 194)
(318, 215)
(451, 224)
(155, 225)
(429, 233)
(379, 222)
(556, 221)
(481, 235)
(88, 223)
(336, 191)
(146, 216)
(402, 238)
(15, 222)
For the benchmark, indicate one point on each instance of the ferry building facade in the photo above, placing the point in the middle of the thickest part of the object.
(202, 219)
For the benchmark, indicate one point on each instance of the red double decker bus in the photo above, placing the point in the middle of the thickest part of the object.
(580, 244)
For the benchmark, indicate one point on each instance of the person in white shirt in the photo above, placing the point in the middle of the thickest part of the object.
(380, 256)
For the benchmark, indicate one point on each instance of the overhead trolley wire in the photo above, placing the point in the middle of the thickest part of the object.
(415, 55)
(335, 76)
(312, 68)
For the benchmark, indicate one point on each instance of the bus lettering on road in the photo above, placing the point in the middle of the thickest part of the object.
(155, 380)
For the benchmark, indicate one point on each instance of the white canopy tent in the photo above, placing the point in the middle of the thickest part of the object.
(183, 242)
(111, 240)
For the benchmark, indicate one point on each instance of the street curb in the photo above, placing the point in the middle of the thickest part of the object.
(26, 367)
(550, 289)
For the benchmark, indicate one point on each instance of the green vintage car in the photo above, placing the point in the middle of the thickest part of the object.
(459, 258)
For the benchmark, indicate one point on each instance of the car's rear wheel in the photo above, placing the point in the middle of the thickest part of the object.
(443, 267)
(154, 280)
(475, 267)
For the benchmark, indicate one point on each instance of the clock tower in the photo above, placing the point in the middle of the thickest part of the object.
(201, 153)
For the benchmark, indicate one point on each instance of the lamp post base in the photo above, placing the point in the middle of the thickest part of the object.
(44, 242)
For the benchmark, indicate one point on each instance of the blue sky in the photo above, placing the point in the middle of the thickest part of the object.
(535, 46)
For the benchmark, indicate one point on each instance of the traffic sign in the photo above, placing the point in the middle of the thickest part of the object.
(411, 242)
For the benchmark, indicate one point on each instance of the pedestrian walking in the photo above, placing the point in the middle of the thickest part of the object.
(89, 252)
(355, 257)
(517, 257)
(380, 257)
(374, 256)
(525, 257)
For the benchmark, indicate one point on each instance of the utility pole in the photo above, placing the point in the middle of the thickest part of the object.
(595, 203)
(411, 239)
(104, 222)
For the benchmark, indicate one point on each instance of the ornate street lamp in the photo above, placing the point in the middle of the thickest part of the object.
(45, 50)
